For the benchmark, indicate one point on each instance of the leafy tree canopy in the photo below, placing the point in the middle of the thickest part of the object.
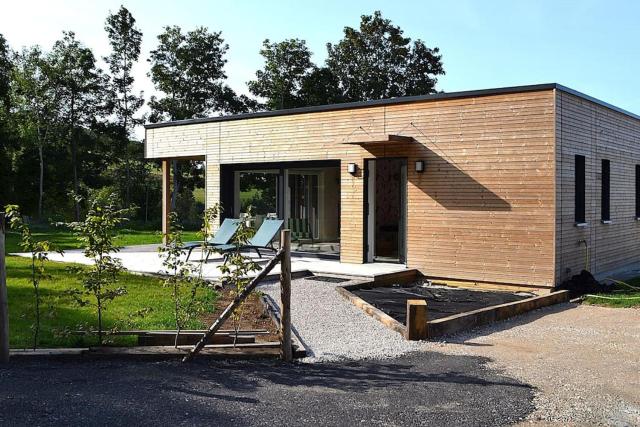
(376, 61)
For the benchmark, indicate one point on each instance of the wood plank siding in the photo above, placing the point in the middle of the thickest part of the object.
(483, 210)
(596, 132)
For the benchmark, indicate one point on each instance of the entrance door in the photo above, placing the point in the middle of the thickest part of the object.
(386, 209)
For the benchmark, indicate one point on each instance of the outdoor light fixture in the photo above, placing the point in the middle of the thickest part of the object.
(352, 168)
(420, 166)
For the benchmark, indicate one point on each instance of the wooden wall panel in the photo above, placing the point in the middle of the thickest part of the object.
(596, 132)
(483, 210)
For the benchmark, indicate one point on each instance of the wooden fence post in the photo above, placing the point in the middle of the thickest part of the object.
(286, 351)
(4, 302)
(416, 320)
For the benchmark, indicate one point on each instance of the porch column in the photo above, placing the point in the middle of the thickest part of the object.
(166, 198)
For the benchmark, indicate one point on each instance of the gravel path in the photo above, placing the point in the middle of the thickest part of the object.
(333, 329)
(583, 360)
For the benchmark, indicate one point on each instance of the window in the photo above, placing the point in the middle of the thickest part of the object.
(637, 191)
(579, 197)
(605, 191)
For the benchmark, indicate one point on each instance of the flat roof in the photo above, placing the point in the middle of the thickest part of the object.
(393, 101)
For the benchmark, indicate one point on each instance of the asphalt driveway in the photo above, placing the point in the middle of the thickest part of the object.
(424, 388)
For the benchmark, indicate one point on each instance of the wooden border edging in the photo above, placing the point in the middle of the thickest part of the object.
(377, 314)
(450, 324)
(483, 316)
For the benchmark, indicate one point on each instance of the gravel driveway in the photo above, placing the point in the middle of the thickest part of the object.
(583, 360)
(334, 329)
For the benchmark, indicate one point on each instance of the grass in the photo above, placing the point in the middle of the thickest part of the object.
(65, 239)
(630, 298)
(59, 311)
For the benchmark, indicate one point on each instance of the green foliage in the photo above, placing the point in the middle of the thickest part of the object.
(376, 61)
(287, 65)
(183, 278)
(147, 305)
(623, 295)
(237, 268)
(39, 250)
(97, 234)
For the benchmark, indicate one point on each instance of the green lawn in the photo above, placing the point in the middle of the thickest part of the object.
(65, 239)
(59, 311)
(628, 297)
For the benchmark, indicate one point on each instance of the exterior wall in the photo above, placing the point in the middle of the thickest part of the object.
(483, 210)
(596, 132)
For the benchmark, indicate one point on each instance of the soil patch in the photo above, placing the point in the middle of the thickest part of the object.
(254, 315)
(441, 301)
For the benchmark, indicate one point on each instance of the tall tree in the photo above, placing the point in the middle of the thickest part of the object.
(125, 39)
(36, 105)
(6, 175)
(188, 68)
(287, 65)
(81, 84)
(377, 61)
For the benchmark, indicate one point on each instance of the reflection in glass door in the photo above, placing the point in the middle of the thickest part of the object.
(302, 207)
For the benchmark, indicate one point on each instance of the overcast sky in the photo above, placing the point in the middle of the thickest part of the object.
(590, 46)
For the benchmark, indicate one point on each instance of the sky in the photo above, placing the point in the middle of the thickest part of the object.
(591, 46)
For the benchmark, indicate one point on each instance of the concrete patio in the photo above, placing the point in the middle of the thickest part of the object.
(145, 259)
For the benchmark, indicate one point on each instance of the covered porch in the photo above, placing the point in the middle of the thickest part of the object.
(304, 194)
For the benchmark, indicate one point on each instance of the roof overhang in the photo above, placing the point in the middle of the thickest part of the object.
(389, 139)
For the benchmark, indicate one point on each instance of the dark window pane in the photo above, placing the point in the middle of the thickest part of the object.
(580, 189)
(605, 192)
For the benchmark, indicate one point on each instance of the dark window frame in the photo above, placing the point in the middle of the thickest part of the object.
(580, 188)
(638, 191)
(605, 190)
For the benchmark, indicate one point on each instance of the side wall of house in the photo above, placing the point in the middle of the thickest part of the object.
(586, 128)
(483, 210)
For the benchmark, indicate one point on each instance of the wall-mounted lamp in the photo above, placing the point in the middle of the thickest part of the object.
(352, 168)
(420, 166)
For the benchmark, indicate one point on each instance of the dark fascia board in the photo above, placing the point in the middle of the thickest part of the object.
(391, 101)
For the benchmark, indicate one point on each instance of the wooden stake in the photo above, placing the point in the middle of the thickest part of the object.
(236, 302)
(416, 320)
(166, 198)
(4, 301)
(286, 350)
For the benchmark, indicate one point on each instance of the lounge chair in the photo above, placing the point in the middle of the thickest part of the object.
(224, 234)
(263, 239)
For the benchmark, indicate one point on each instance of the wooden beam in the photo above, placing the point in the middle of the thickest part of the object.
(4, 302)
(215, 326)
(166, 198)
(416, 319)
(285, 296)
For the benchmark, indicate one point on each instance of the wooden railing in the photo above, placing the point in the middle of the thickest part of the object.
(283, 256)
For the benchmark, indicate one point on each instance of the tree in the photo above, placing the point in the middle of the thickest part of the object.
(6, 172)
(97, 233)
(321, 87)
(188, 68)
(125, 39)
(287, 64)
(39, 250)
(377, 61)
(36, 103)
(81, 84)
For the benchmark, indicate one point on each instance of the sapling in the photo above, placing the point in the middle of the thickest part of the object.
(96, 234)
(236, 270)
(183, 278)
(39, 250)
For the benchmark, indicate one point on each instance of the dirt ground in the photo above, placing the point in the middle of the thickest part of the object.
(583, 360)
(253, 316)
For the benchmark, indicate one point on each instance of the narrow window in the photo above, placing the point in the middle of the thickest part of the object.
(579, 199)
(637, 191)
(605, 193)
